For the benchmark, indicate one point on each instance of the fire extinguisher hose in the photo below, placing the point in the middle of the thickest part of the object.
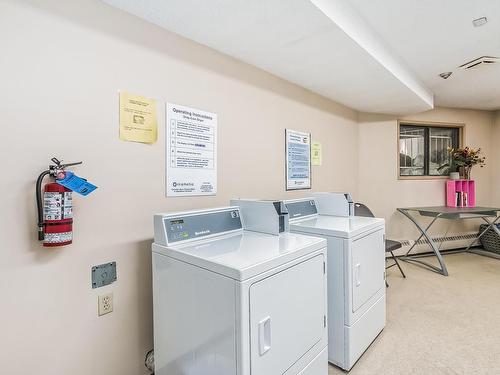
(39, 204)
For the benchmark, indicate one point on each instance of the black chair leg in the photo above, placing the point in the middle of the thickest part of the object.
(397, 264)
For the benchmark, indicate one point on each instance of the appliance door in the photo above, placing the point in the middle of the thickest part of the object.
(368, 267)
(287, 316)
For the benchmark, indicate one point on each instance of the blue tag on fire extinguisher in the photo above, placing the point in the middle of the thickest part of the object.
(75, 183)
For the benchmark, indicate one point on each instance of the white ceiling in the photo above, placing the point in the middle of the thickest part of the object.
(371, 55)
(435, 36)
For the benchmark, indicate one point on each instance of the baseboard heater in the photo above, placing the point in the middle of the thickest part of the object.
(444, 243)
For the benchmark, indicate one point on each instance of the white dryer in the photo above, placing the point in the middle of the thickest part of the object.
(232, 302)
(356, 276)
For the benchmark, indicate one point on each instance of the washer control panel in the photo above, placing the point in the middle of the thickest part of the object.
(198, 225)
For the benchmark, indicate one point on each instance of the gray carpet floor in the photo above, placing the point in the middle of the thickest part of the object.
(439, 325)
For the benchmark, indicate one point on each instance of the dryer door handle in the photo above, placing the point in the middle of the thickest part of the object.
(264, 335)
(356, 274)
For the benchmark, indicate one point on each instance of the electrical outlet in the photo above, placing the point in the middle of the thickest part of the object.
(105, 304)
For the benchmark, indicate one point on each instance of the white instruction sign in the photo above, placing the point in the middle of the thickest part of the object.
(191, 151)
(298, 160)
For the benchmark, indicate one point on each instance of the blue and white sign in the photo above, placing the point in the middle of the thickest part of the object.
(298, 160)
(191, 150)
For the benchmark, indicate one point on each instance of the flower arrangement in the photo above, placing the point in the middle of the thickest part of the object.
(463, 159)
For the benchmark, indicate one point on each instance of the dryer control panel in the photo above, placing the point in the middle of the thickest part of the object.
(185, 226)
(301, 208)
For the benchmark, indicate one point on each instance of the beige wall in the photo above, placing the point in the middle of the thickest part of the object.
(495, 161)
(379, 186)
(61, 66)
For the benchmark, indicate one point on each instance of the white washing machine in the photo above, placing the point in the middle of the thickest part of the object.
(232, 302)
(356, 275)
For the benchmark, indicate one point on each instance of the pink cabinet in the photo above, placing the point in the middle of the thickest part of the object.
(461, 193)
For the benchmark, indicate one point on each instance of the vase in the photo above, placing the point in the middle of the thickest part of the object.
(465, 172)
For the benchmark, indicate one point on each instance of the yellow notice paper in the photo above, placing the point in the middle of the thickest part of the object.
(138, 121)
(316, 153)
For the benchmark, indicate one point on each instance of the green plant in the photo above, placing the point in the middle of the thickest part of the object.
(466, 157)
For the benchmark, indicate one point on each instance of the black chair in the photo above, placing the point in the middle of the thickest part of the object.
(390, 245)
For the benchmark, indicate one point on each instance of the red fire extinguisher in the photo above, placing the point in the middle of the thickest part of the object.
(55, 209)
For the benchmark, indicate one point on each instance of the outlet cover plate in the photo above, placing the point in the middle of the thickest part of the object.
(105, 304)
(103, 274)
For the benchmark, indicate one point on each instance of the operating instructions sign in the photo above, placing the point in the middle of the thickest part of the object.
(191, 151)
(298, 160)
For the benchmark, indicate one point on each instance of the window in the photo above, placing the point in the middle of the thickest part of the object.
(423, 148)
